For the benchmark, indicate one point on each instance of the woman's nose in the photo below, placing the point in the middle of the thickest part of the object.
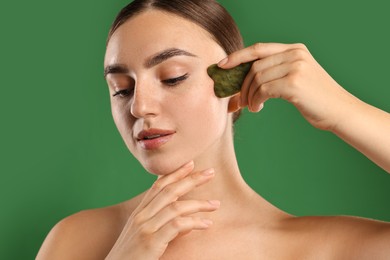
(144, 102)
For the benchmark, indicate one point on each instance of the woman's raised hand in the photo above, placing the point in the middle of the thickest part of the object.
(161, 216)
(289, 71)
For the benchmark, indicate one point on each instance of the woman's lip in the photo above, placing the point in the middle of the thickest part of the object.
(144, 134)
(155, 143)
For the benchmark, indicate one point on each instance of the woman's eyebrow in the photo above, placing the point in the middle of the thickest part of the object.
(164, 55)
(150, 62)
(115, 68)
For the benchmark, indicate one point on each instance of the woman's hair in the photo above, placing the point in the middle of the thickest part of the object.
(208, 14)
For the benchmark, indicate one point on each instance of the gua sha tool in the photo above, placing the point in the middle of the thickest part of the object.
(228, 82)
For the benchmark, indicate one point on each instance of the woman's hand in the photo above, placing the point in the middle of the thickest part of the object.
(161, 217)
(288, 71)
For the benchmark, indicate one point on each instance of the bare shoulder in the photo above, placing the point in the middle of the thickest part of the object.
(345, 237)
(89, 234)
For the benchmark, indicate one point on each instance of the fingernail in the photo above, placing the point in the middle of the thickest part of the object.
(189, 164)
(215, 202)
(222, 62)
(208, 222)
(261, 107)
(208, 172)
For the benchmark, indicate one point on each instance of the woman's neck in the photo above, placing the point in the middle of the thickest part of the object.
(227, 185)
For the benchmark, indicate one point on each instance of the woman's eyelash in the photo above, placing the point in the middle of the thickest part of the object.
(175, 81)
(123, 93)
(169, 82)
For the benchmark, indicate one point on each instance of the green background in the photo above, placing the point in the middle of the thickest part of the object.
(61, 153)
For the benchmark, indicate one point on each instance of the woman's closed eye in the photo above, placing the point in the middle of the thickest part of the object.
(123, 93)
(122, 85)
(169, 82)
(175, 81)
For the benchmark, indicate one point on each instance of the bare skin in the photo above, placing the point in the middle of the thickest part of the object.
(200, 207)
(261, 234)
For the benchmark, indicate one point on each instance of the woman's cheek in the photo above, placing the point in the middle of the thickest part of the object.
(208, 110)
(117, 116)
(123, 122)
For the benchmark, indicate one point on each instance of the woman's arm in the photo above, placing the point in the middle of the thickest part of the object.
(367, 128)
(290, 72)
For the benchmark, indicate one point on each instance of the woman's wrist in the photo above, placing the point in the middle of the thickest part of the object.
(366, 128)
(347, 114)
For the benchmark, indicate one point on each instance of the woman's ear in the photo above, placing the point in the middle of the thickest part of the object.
(234, 103)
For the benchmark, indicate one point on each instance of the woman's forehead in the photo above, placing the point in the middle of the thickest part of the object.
(153, 31)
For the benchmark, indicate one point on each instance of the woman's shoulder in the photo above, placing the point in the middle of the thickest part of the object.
(343, 237)
(88, 234)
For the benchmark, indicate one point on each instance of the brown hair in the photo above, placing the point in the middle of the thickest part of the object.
(208, 14)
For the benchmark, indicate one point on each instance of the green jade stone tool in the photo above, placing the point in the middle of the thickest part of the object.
(228, 82)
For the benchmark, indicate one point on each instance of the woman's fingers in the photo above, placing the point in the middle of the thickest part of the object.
(266, 70)
(264, 92)
(255, 52)
(179, 209)
(259, 91)
(162, 182)
(181, 225)
(290, 72)
(161, 216)
(164, 217)
(173, 191)
(255, 89)
(273, 61)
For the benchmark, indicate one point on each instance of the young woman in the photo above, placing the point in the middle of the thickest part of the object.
(164, 107)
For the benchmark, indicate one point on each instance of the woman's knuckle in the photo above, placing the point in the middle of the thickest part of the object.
(266, 90)
(176, 223)
(138, 220)
(145, 231)
(257, 46)
(258, 78)
(176, 206)
(299, 54)
(298, 66)
(301, 46)
(169, 190)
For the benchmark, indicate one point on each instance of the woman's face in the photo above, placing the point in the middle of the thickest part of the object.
(162, 99)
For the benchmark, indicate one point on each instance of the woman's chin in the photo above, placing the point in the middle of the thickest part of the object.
(161, 168)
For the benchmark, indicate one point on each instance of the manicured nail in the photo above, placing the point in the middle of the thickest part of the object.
(208, 172)
(189, 164)
(261, 107)
(215, 202)
(208, 222)
(222, 62)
